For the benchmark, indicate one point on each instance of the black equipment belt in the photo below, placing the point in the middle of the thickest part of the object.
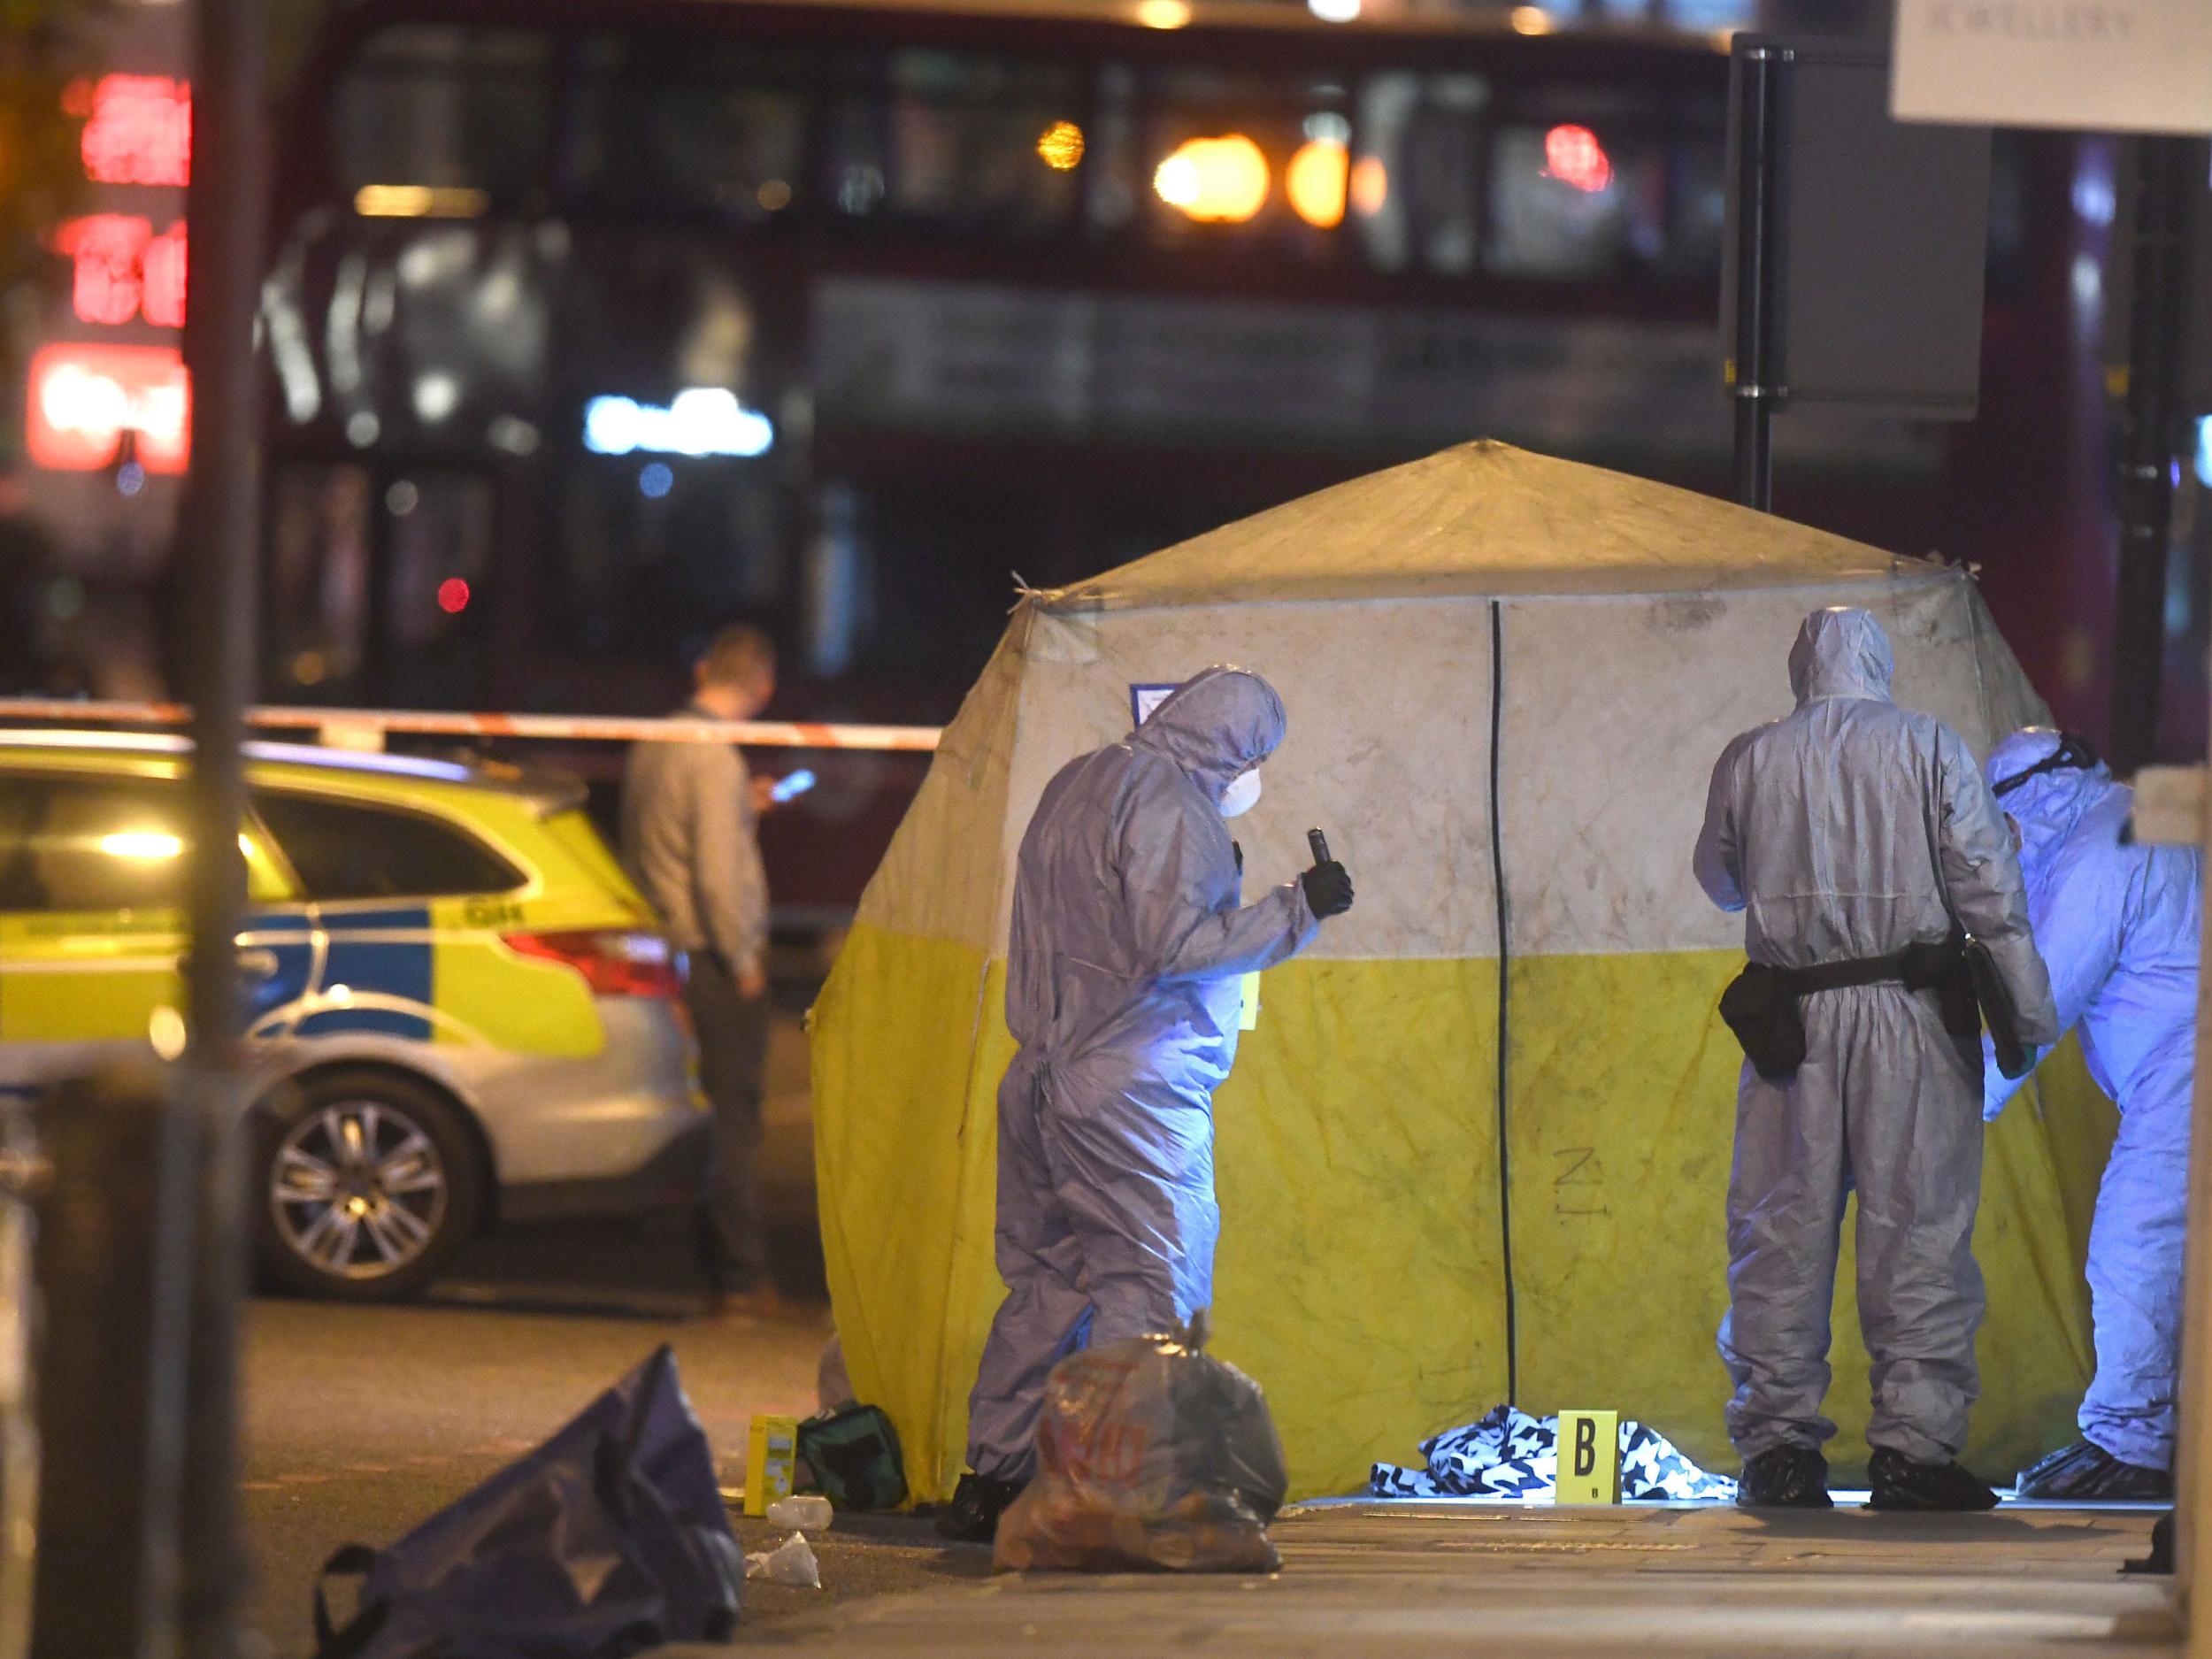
(1916, 968)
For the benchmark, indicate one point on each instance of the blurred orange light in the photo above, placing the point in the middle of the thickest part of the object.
(1061, 146)
(1370, 185)
(1315, 180)
(1219, 180)
(1573, 156)
(453, 596)
(1164, 14)
(83, 398)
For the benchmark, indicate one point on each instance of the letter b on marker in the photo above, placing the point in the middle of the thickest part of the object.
(1589, 1457)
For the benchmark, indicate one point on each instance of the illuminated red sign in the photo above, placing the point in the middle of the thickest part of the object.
(138, 128)
(162, 270)
(105, 248)
(122, 268)
(83, 398)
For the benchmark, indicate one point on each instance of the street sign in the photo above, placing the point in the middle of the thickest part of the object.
(2106, 66)
(1877, 244)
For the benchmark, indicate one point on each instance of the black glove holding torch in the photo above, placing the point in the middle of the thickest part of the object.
(1328, 885)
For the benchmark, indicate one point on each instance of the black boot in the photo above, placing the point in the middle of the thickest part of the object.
(1902, 1484)
(2161, 1556)
(971, 1517)
(2085, 1470)
(1785, 1477)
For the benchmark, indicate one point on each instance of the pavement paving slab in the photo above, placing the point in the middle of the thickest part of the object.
(1481, 1580)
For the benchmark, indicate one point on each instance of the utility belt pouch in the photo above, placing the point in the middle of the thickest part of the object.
(1944, 969)
(1761, 1007)
(2015, 1058)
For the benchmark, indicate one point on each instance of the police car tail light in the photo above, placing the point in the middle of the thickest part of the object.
(613, 964)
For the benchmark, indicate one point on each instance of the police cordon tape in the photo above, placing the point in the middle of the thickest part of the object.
(338, 725)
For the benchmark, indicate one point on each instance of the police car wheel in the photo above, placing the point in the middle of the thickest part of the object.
(367, 1180)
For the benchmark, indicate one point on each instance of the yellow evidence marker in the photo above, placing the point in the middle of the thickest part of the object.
(1589, 1457)
(770, 1452)
(1249, 1009)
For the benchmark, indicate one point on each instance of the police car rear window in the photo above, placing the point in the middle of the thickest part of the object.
(341, 851)
(71, 844)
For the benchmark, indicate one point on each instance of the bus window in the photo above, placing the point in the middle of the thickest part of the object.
(432, 331)
(675, 124)
(1416, 183)
(1698, 184)
(439, 531)
(649, 554)
(668, 418)
(954, 141)
(1573, 200)
(318, 580)
(442, 109)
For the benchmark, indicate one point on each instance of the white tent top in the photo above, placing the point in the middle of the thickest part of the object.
(1488, 518)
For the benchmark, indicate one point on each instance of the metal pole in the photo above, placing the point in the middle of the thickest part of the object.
(114, 1272)
(216, 537)
(2165, 171)
(1755, 365)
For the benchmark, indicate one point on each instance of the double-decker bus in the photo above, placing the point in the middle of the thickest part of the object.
(596, 322)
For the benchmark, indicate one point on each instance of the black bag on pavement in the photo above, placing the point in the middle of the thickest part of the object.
(607, 1540)
(854, 1455)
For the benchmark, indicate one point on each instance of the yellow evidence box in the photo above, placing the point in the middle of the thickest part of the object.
(770, 1452)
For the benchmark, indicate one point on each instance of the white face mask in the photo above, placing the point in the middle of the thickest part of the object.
(1242, 794)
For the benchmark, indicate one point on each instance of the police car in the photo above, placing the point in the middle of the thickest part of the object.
(460, 1004)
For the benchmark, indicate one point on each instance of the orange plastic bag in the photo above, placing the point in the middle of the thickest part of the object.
(1151, 1456)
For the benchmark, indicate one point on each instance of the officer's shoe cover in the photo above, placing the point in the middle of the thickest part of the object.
(2085, 1470)
(1785, 1477)
(1902, 1484)
(971, 1517)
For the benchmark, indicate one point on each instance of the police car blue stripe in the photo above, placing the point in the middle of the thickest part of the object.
(368, 965)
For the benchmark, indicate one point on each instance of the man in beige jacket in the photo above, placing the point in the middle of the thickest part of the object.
(690, 818)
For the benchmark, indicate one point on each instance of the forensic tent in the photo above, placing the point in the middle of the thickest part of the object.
(1477, 1148)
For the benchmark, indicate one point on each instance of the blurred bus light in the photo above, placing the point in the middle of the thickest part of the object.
(1221, 180)
(701, 421)
(1573, 156)
(1315, 180)
(1370, 185)
(1061, 145)
(418, 201)
(1163, 14)
(141, 846)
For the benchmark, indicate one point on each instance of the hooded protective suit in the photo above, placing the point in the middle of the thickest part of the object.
(1853, 829)
(2120, 928)
(1121, 988)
